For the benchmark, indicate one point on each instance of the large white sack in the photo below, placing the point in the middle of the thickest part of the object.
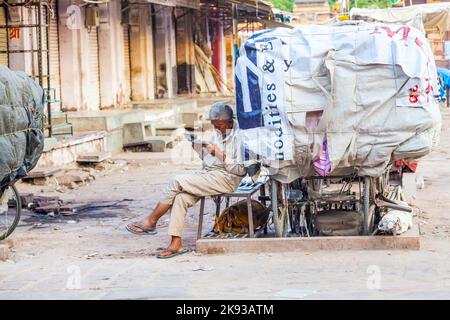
(368, 89)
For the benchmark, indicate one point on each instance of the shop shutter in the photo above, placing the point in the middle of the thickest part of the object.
(126, 47)
(55, 79)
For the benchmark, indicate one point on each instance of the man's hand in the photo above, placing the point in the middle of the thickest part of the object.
(198, 147)
(211, 148)
(215, 151)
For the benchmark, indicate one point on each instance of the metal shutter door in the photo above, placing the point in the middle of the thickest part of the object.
(126, 47)
(55, 80)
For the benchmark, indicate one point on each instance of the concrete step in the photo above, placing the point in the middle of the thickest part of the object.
(41, 173)
(409, 240)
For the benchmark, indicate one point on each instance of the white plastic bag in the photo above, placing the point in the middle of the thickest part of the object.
(395, 222)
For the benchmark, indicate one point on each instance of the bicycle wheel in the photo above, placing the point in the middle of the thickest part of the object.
(10, 208)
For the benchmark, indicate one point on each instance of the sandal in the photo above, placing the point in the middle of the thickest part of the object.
(172, 254)
(141, 229)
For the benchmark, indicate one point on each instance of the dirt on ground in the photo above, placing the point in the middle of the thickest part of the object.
(90, 255)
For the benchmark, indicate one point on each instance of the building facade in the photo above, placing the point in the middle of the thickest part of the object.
(311, 11)
(101, 56)
(94, 55)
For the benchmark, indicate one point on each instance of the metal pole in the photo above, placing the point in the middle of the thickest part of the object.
(250, 216)
(218, 202)
(39, 12)
(200, 218)
(47, 52)
(257, 6)
(366, 208)
(234, 13)
(274, 199)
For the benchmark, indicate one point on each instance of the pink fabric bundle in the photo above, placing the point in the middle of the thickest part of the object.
(323, 165)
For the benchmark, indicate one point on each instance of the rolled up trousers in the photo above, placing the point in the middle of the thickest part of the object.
(185, 190)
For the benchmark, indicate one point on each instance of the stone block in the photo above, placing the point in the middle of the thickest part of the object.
(137, 131)
(189, 119)
(160, 143)
(4, 252)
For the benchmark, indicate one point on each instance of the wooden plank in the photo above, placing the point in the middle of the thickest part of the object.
(47, 208)
(137, 144)
(42, 173)
(94, 157)
(73, 208)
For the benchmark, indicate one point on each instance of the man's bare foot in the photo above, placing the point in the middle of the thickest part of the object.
(168, 253)
(144, 227)
(175, 247)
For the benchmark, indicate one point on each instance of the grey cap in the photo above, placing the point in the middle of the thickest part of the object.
(220, 111)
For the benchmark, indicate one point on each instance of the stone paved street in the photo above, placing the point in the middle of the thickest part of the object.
(91, 256)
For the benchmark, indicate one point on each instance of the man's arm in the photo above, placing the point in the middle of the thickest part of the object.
(232, 165)
(215, 151)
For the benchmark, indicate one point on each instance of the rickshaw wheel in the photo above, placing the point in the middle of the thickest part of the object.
(9, 218)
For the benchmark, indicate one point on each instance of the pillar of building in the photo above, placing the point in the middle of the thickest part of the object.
(70, 29)
(111, 56)
(218, 58)
(165, 52)
(230, 60)
(141, 53)
(185, 52)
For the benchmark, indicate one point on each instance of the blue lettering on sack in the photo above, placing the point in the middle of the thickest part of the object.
(252, 119)
(257, 34)
(265, 39)
(250, 50)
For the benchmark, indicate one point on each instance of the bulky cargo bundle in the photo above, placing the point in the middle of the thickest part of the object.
(21, 136)
(348, 98)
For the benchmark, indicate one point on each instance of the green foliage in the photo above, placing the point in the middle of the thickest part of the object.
(366, 3)
(285, 5)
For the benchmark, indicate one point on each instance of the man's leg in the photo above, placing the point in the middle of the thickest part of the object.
(198, 184)
(206, 183)
(149, 223)
(182, 202)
